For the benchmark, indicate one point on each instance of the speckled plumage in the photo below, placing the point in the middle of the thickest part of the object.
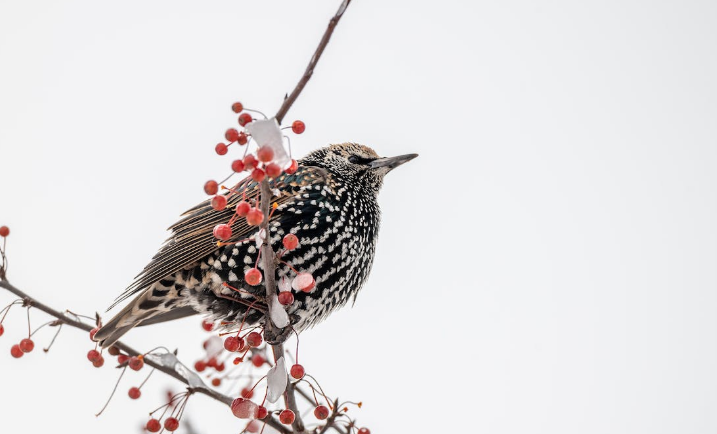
(330, 204)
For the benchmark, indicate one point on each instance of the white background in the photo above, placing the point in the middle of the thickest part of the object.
(546, 266)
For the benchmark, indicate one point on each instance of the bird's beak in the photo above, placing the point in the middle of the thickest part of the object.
(391, 163)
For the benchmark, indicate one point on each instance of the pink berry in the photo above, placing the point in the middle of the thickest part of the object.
(261, 412)
(211, 187)
(257, 360)
(93, 332)
(253, 339)
(297, 371)
(136, 363)
(287, 417)
(4, 231)
(16, 352)
(254, 217)
(243, 208)
(231, 135)
(233, 343)
(237, 107)
(298, 127)
(250, 162)
(219, 202)
(286, 298)
(244, 119)
(252, 276)
(207, 325)
(273, 170)
(221, 149)
(290, 241)
(134, 393)
(321, 412)
(27, 345)
(153, 425)
(293, 167)
(238, 166)
(258, 174)
(265, 154)
(171, 424)
(242, 138)
(222, 232)
(93, 355)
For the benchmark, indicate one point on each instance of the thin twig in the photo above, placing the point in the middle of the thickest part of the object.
(289, 101)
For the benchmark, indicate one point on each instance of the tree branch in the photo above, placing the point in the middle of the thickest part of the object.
(289, 101)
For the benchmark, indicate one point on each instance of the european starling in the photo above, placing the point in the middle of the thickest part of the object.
(329, 203)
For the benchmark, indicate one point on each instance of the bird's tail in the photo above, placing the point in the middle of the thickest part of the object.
(145, 309)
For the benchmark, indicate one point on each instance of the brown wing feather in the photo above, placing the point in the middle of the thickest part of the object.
(192, 236)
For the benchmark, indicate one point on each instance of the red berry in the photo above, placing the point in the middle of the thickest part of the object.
(243, 208)
(207, 325)
(221, 149)
(93, 332)
(200, 366)
(273, 170)
(242, 138)
(171, 424)
(220, 367)
(134, 393)
(211, 187)
(27, 345)
(286, 298)
(258, 174)
(219, 202)
(286, 417)
(293, 167)
(244, 119)
(2, 329)
(222, 232)
(122, 358)
(16, 351)
(113, 351)
(265, 154)
(250, 162)
(364, 431)
(298, 127)
(290, 241)
(4, 231)
(238, 166)
(254, 217)
(153, 425)
(216, 382)
(99, 362)
(253, 339)
(233, 343)
(303, 282)
(231, 135)
(247, 393)
(257, 360)
(93, 355)
(252, 276)
(261, 412)
(136, 363)
(297, 371)
(321, 412)
(237, 107)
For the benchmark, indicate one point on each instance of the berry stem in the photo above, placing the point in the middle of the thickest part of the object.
(113, 391)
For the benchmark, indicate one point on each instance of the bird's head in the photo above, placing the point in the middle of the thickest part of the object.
(355, 163)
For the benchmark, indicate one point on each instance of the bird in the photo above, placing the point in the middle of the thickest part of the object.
(330, 203)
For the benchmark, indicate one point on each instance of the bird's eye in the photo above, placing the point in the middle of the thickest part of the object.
(355, 159)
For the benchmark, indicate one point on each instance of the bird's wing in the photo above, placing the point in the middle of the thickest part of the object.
(192, 236)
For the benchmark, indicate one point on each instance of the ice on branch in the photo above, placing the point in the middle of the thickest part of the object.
(169, 360)
(277, 313)
(276, 379)
(267, 133)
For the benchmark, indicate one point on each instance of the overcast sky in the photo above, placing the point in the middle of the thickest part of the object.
(547, 265)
